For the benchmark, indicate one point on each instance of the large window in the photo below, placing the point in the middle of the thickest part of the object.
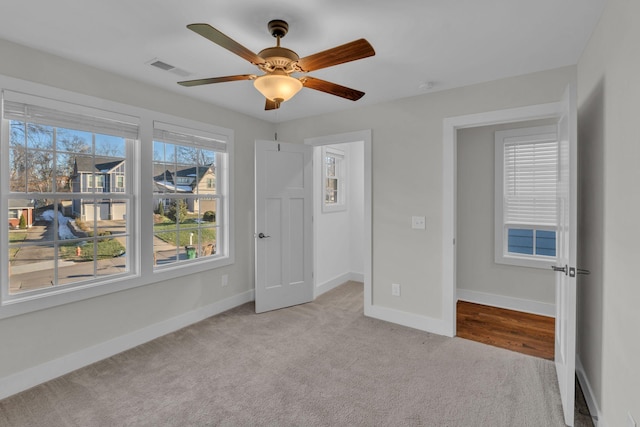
(58, 154)
(526, 205)
(86, 183)
(189, 211)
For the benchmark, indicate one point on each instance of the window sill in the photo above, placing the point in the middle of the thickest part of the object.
(35, 302)
(540, 263)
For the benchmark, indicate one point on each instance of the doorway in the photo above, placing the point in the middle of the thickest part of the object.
(342, 226)
(483, 275)
(451, 126)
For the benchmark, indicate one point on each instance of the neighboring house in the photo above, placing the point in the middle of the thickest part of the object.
(18, 207)
(106, 175)
(189, 180)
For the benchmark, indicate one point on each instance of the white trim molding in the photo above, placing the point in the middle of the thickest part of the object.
(410, 320)
(337, 281)
(510, 303)
(589, 395)
(20, 381)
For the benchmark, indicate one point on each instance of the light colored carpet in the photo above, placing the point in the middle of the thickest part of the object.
(318, 364)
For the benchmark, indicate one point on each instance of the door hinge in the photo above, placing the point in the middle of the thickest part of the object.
(278, 147)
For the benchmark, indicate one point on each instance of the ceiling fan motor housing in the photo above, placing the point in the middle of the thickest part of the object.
(278, 28)
(279, 57)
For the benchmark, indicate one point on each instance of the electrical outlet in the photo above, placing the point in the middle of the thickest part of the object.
(630, 421)
(418, 222)
(225, 280)
(395, 289)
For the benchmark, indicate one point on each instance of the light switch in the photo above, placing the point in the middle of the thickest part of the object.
(418, 222)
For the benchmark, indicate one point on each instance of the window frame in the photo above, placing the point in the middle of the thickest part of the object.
(340, 176)
(547, 133)
(140, 184)
(221, 194)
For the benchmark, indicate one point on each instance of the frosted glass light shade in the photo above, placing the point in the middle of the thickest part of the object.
(277, 87)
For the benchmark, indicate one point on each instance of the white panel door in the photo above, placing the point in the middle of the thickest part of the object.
(283, 233)
(565, 336)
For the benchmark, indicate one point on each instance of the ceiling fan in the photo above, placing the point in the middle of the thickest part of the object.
(279, 63)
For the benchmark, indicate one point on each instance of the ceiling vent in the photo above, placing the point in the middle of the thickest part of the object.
(168, 67)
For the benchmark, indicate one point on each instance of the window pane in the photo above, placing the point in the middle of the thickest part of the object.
(17, 135)
(74, 141)
(207, 208)
(30, 267)
(331, 194)
(18, 169)
(546, 243)
(39, 137)
(40, 171)
(520, 241)
(208, 240)
(64, 171)
(110, 146)
(165, 250)
(331, 166)
(111, 217)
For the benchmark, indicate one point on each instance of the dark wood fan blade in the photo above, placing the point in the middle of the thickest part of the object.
(210, 33)
(332, 88)
(271, 105)
(211, 80)
(357, 49)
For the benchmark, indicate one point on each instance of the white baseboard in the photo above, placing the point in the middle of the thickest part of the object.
(337, 281)
(510, 303)
(589, 396)
(411, 320)
(47, 371)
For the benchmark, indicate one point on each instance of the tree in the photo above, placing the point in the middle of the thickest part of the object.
(161, 208)
(22, 224)
(177, 211)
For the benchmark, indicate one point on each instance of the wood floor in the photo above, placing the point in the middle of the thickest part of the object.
(514, 330)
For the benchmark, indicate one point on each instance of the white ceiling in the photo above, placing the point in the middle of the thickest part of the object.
(450, 43)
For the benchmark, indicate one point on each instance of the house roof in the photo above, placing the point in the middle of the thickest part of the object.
(21, 203)
(164, 178)
(102, 164)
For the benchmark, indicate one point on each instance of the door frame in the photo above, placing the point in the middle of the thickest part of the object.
(449, 192)
(345, 138)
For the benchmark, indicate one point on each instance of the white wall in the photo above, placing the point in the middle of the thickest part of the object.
(30, 340)
(479, 278)
(609, 154)
(339, 235)
(407, 178)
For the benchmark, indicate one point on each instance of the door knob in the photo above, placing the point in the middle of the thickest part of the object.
(560, 269)
(263, 236)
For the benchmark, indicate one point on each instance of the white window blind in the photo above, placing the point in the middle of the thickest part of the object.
(34, 109)
(178, 135)
(530, 177)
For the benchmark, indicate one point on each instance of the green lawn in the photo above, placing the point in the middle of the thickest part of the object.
(166, 231)
(107, 248)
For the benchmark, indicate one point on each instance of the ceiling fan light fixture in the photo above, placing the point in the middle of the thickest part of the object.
(277, 87)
